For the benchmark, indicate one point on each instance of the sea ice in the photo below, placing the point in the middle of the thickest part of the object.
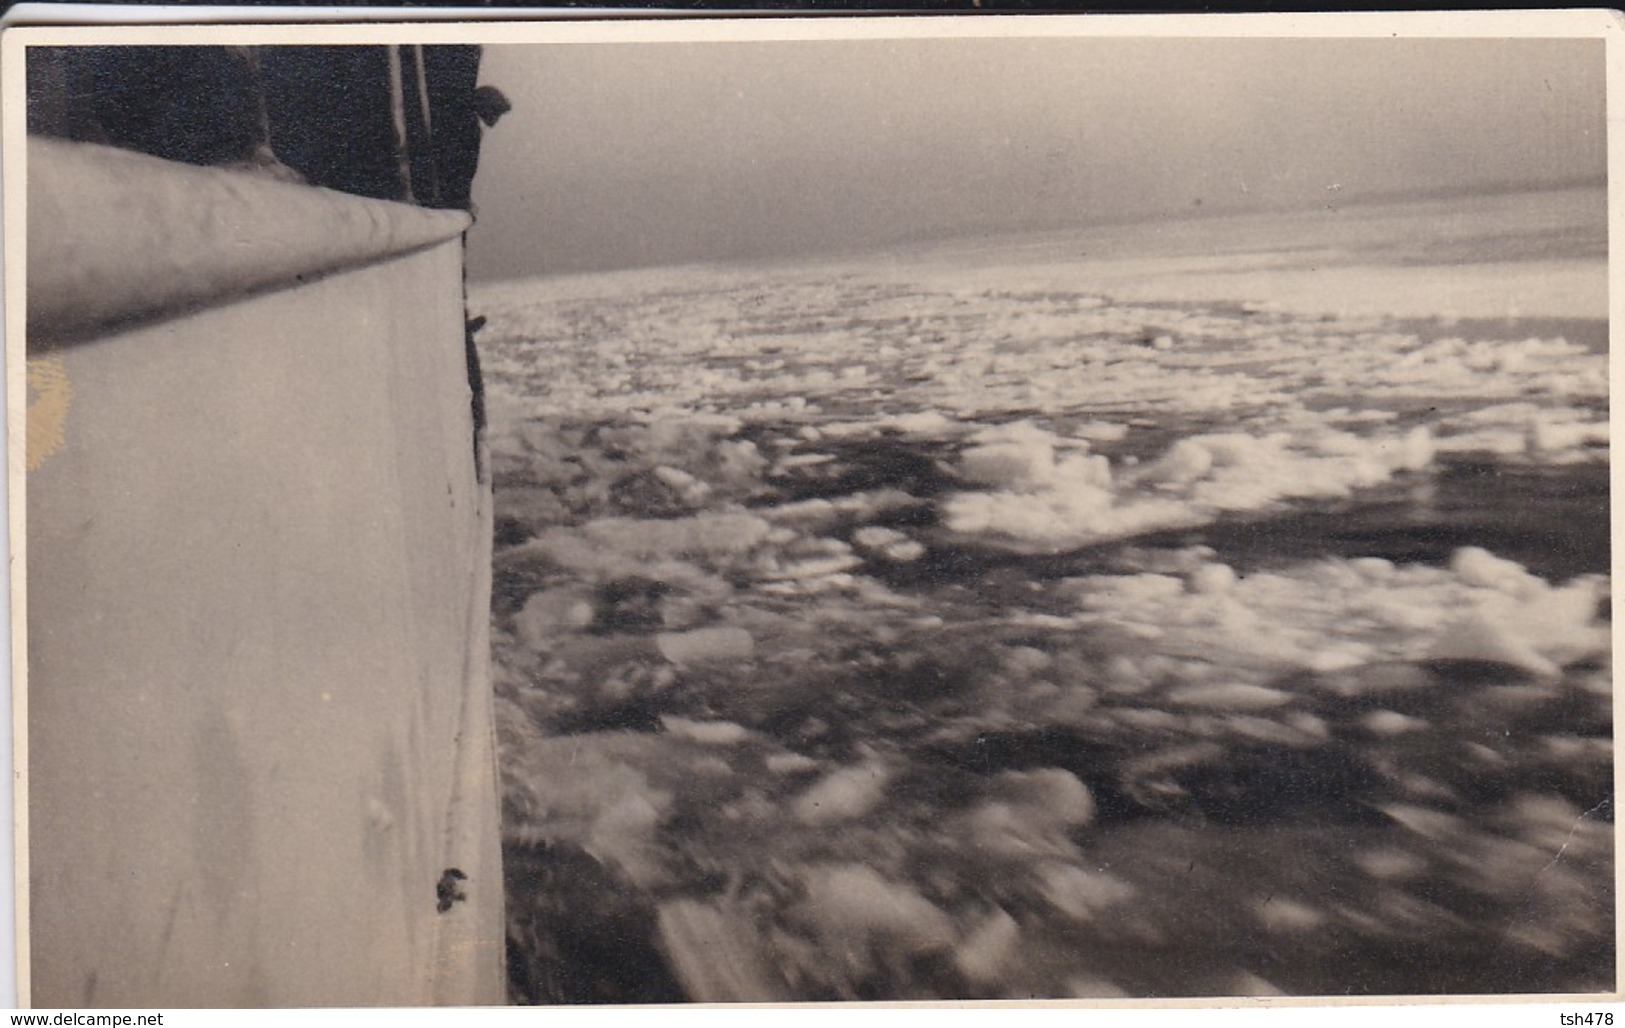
(842, 795)
(1079, 500)
(1235, 696)
(1020, 466)
(709, 732)
(1332, 614)
(590, 795)
(989, 948)
(854, 910)
(1057, 793)
(1081, 894)
(700, 535)
(668, 426)
(549, 613)
(705, 645)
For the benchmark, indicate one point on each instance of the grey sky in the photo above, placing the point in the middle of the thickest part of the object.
(625, 154)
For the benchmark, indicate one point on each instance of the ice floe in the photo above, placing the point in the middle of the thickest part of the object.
(1331, 614)
(1081, 499)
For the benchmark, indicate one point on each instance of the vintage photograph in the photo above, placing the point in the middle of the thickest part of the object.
(801, 510)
